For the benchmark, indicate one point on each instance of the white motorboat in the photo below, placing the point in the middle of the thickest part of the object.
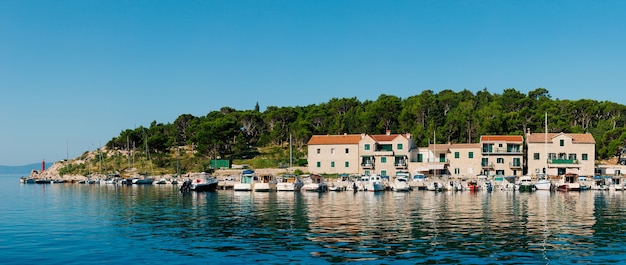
(247, 181)
(203, 182)
(401, 182)
(315, 183)
(266, 183)
(543, 183)
(290, 183)
(526, 184)
(372, 183)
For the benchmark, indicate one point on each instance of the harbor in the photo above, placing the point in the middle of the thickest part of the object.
(91, 223)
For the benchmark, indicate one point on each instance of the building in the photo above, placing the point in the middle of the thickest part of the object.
(385, 154)
(360, 154)
(560, 153)
(334, 154)
(502, 155)
(465, 160)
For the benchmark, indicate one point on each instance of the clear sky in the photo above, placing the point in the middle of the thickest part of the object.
(75, 73)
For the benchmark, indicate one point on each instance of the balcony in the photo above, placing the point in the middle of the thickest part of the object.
(487, 165)
(563, 161)
(401, 165)
(502, 151)
(367, 165)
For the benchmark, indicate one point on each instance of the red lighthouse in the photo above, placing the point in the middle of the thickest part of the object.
(43, 165)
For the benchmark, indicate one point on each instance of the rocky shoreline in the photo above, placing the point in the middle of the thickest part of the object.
(53, 174)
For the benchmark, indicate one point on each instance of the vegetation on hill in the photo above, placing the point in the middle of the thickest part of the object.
(454, 117)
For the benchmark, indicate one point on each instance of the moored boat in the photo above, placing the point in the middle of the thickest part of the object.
(472, 185)
(569, 182)
(289, 183)
(204, 182)
(401, 182)
(266, 183)
(247, 180)
(372, 183)
(526, 184)
(315, 183)
(543, 183)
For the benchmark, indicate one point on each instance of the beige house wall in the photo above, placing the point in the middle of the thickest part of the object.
(322, 157)
(384, 161)
(584, 152)
(465, 165)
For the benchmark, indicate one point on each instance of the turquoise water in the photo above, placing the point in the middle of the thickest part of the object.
(78, 224)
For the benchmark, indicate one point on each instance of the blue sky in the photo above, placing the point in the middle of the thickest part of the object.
(74, 74)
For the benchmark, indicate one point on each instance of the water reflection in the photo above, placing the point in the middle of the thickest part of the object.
(416, 227)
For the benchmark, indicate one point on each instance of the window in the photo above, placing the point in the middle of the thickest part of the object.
(383, 172)
(571, 156)
(457, 171)
(347, 164)
(552, 156)
(470, 155)
(562, 142)
(319, 164)
(485, 162)
(516, 162)
(319, 150)
(500, 172)
(500, 160)
(332, 151)
(399, 146)
(500, 145)
(383, 159)
(442, 158)
(367, 147)
(332, 164)
(536, 156)
(584, 157)
(366, 172)
(420, 158)
(347, 150)
(456, 155)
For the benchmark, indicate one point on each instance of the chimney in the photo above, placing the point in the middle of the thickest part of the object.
(388, 132)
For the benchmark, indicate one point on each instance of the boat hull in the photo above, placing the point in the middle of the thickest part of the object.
(207, 187)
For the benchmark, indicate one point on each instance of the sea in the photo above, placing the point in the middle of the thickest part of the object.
(156, 224)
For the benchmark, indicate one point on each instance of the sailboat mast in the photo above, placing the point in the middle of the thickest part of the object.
(290, 154)
(545, 146)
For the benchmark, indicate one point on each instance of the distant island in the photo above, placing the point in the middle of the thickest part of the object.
(25, 169)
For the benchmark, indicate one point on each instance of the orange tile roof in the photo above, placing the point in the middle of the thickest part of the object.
(502, 138)
(577, 138)
(335, 139)
(385, 137)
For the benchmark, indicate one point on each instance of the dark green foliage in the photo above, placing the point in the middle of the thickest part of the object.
(455, 117)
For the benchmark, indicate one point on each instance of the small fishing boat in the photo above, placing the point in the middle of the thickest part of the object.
(526, 184)
(569, 182)
(247, 181)
(472, 185)
(372, 183)
(266, 183)
(315, 183)
(289, 183)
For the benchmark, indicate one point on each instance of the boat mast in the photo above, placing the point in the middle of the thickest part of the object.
(545, 146)
(290, 155)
